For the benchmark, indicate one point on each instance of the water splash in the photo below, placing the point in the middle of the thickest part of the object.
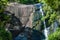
(46, 33)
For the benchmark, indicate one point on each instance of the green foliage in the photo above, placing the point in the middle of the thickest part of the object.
(55, 36)
(51, 11)
(53, 3)
(28, 1)
(3, 4)
(4, 35)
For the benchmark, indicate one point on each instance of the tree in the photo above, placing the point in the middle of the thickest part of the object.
(28, 1)
(51, 11)
(4, 35)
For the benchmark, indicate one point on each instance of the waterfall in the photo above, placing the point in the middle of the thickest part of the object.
(39, 8)
(45, 29)
(55, 26)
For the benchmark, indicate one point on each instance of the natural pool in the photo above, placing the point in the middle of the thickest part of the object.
(34, 35)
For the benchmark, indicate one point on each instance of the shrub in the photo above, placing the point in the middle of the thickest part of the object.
(55, 36)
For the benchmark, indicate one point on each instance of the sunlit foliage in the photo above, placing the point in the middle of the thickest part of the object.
(51, 11)
(55, 36)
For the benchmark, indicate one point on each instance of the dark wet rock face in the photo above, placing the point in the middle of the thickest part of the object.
(14, 25)
(22, 33)
(13, 19)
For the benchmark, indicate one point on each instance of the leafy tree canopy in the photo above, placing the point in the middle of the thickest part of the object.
(28, 1)
(51, 11)
(4, 35)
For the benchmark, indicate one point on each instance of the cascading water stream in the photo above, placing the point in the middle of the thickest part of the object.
(45, 29)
